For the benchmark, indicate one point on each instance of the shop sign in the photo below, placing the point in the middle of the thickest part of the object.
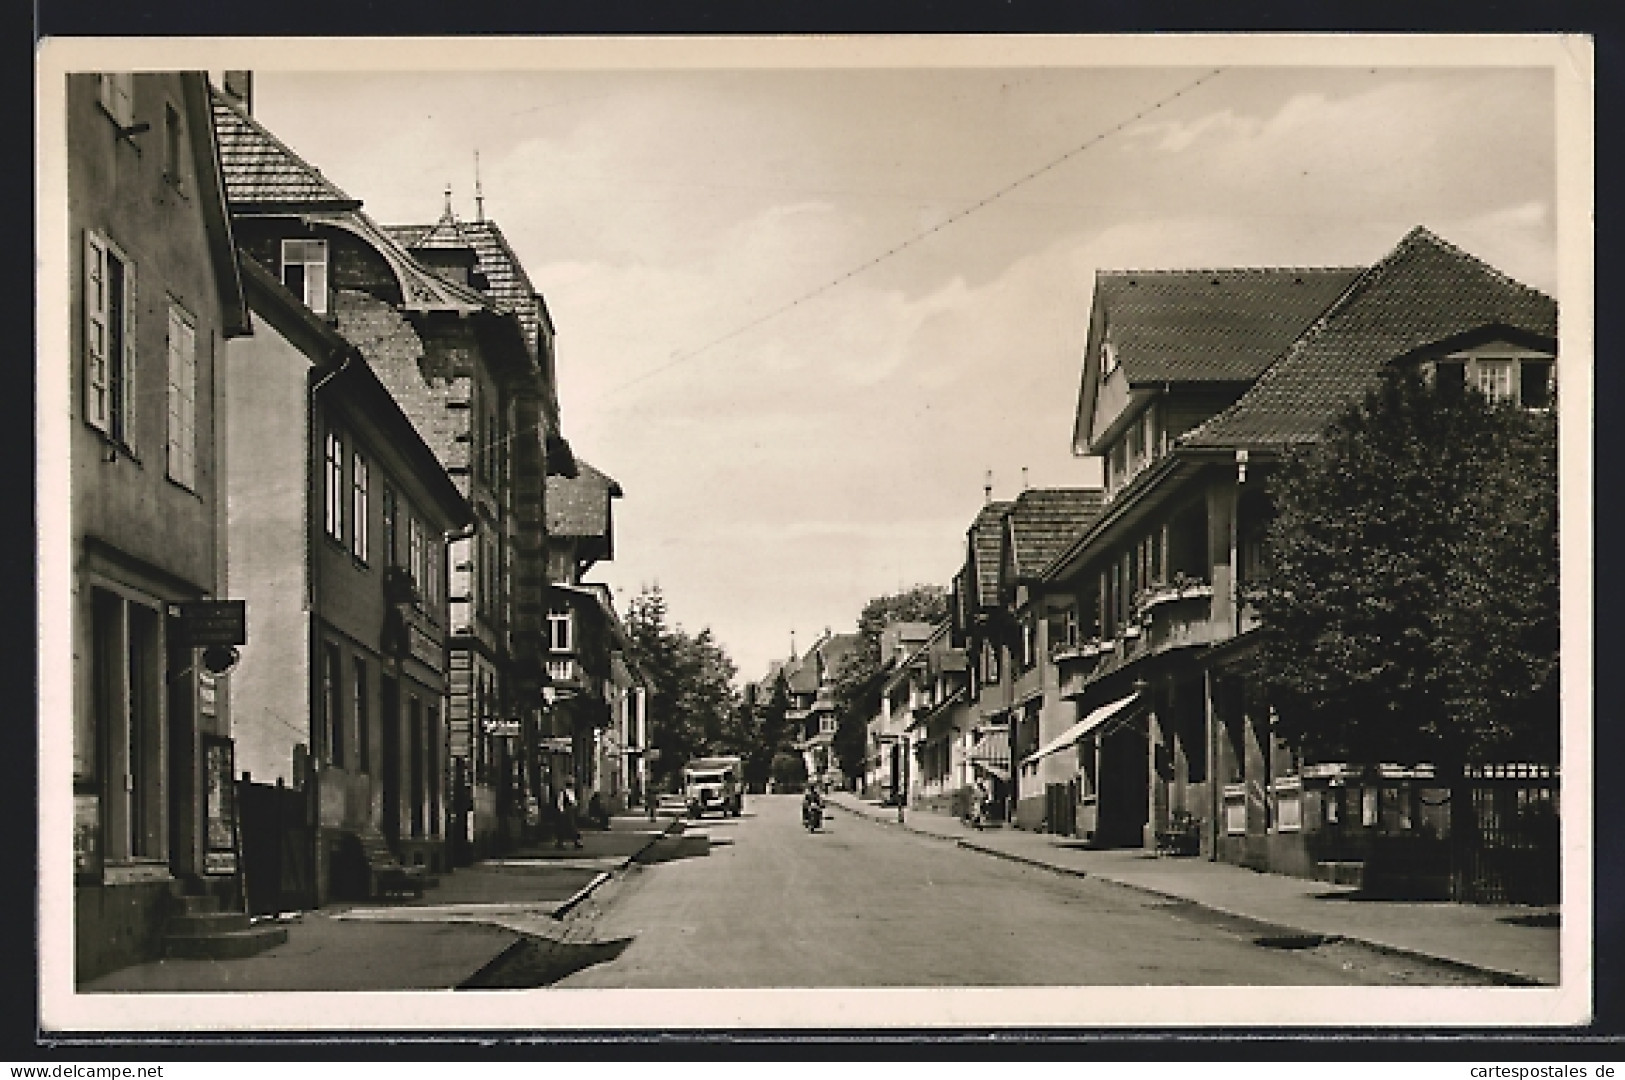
(219, 808)
(508, 728)
(201, 623)
(424, 647)
(206, 694)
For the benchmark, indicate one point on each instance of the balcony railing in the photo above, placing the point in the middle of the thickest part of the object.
(1165, 617)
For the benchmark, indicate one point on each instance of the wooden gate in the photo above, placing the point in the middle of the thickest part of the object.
(279, 848)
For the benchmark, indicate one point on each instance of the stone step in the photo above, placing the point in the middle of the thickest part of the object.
(192, 904)
(230, 945)
(196, 923)
(1341, 872)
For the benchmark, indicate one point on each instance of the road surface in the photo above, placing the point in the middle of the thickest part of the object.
(865, 904)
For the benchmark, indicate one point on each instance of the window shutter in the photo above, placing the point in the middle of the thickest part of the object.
(126, 366)
(95, 373)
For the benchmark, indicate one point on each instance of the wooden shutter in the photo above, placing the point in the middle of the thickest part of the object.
(125, 368)
(95, 366)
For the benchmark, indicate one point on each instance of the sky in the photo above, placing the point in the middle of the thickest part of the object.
(802, 313)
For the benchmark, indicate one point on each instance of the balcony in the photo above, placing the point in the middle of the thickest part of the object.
(1171, 616)
(564, 673)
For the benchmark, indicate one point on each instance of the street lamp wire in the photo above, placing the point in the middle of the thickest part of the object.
(960, 215)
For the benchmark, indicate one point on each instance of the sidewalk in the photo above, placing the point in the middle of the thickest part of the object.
(435, 942)
(1495, 941)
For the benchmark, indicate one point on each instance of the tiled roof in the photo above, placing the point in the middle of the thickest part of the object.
(1210, 325)
(1043, 521)
(986, 536)
(259, 168)
(1423, 292)
(579, 506)
(508, 285)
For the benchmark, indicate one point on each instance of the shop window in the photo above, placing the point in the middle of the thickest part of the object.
(432, 768)
(416, 777)
(126, 674)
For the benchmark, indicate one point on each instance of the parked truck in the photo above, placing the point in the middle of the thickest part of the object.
(716, 784)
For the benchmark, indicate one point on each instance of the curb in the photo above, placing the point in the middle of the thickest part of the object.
(581, 894)
(1495, 975)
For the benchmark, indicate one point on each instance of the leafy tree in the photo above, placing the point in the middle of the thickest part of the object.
(693, 706)
(788, 771)
(857, 681)
(1409, 602)
(771, 731)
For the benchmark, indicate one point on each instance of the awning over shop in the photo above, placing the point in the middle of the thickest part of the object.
(1071, 735)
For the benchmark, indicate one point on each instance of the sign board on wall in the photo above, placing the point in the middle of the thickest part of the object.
(200, 623)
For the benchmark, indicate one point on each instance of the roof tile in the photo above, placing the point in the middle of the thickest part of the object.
(1424, 291)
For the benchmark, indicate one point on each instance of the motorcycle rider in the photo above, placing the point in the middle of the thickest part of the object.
(812, 802)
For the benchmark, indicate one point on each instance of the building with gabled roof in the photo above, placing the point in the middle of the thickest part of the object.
(154, 294)
(476, 381)
(1169, 749)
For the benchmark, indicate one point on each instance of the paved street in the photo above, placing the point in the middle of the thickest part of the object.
(865, 905)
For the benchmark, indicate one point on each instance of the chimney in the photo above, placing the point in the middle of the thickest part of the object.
(987, 488)
(239, 88)
(1024, 478)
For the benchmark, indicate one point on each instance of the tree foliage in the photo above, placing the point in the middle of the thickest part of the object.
(694, 709)
(857, 681)
(1409, 600)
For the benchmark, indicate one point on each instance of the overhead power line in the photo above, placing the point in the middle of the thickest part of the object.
(957, 216)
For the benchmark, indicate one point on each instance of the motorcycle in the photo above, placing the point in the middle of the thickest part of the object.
(812, 816)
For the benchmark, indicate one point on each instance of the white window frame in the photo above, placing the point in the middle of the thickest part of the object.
(109, 357)
(115, 90)
(560, 632)
(333, 506)
(182, 395)
(415, 547)
(312, 290)
(360, 498)
(1496, 378)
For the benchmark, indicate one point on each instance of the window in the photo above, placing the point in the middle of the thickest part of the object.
(116, 92)
(358, 505)
(990, 662)
(304, 272)
(1027, 650)
(1450, 377)
(109, 339)
(1108, 359)
(1493, 378)
(432, 590)
(332, 749)
(415, 553)
(392, 547)
(432, 750)
(172, 146)
(333, 512)
(182, 398)
(558, 631)
(363, 730)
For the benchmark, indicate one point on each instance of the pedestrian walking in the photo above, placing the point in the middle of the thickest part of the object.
(650, 800)
(565, 809)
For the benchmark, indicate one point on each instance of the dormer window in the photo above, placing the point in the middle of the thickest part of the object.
(304, 272)
(1525, 381)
